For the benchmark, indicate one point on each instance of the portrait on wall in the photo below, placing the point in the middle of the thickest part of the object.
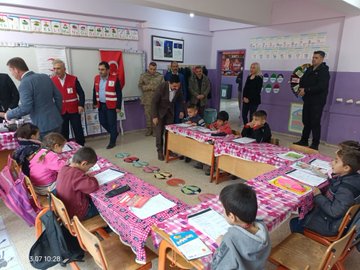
(232, 62)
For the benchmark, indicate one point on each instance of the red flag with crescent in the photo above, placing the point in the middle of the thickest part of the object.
(115, 60)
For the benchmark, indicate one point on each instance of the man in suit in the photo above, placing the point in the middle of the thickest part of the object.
(107, 97)
(199, 88)
(9, 95)
(163, 109)
(73, 101)
(38, 97)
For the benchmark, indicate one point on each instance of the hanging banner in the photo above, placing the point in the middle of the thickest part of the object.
(115, 60)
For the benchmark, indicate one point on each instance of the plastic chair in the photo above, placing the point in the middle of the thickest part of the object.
(327, 240)
(303, 149)
(110, 253)
(300, 252)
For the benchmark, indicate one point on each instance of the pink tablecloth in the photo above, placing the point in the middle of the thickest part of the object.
(7, 141)
(259, 152)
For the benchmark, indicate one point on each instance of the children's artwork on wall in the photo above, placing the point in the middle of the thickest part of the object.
(232, 62)
(56, 27)
(280, 78)
(273, 78)
(46, 26)
(35, 25)
(276, 88)
(295, 118)
(268, 88)
(265, 78)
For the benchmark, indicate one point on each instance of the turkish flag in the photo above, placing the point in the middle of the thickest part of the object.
(115, 60)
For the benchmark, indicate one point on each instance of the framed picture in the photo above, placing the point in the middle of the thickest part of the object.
(295, 118)
(167, 49)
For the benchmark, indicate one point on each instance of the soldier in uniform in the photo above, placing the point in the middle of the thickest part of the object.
(149, 82)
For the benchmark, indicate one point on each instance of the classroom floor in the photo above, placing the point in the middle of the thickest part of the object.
(22, 237)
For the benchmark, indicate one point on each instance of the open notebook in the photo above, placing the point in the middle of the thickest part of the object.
(108, 175)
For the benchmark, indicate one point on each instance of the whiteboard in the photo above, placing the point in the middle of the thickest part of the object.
(84, 65)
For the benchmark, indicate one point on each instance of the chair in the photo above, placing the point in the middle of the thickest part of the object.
(327, 240)
(300, 252)
(166, 251)
(110, 253)
(275, 141)
(303, 149)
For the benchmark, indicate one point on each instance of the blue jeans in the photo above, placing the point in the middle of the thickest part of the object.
(92, 210)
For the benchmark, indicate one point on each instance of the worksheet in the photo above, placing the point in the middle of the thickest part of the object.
(306, 178)
(108, 175)
(152, 207)
(244, 140)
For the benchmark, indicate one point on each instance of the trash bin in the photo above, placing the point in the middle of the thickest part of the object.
(210, 115)
(226, 91)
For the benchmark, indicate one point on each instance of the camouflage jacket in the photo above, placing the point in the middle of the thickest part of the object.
(148, 84)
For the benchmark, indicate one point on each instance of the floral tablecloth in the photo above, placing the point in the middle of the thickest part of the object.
(8, 141)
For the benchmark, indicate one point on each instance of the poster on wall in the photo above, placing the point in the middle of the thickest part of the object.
(232, 62)
(295, 118)
(45, 57)
(167, 49)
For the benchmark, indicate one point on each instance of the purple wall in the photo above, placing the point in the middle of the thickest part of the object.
(135, 116)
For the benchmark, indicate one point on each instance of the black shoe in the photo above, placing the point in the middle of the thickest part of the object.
(302, 143)
(161, 156)
(110, 145)
(187, 160)
(198, 165)
(314, 146)
(181, 157)
(234, 177)
(207, 171)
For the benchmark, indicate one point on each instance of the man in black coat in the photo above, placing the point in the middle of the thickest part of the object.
(9, 95)
(313, 89)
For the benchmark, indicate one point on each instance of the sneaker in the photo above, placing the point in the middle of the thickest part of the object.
(161, 156)
(302, 143)
(187, 160)
(314, 146)
(110, 145)
(198, 165)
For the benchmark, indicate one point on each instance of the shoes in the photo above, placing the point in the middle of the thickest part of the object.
(181, 157)
(234, 177)
(149, 132)
(110, 145)
(302, 143)
(207, 171)
(198, 165)
(187, 160)
(314, 146)
(161, 156)
(172, 154)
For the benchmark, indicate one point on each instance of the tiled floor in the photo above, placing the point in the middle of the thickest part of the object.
(144, 147)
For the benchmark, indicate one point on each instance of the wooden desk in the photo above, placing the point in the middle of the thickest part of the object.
(199, 151)
(242, 168)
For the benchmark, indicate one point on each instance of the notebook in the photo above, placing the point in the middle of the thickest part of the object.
(292, 156)
(244, 140)
(306, 178)
(108, 175)
(190, 245)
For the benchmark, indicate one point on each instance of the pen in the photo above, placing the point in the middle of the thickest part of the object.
(290, 171)
(116, 170)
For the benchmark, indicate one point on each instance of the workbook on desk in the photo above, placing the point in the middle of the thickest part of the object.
(209, 222)
(152, 207)
(108, 175)
(244, 140)
(292, 156)
(190, 245)
(306, 178)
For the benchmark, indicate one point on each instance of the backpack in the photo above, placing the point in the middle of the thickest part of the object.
(15, 195)
(55, 245)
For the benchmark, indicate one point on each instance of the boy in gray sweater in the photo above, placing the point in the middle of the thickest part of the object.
(246, 245)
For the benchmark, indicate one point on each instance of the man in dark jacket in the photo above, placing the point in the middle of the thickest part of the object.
(9, 95)
(314, 89)
(163, 109)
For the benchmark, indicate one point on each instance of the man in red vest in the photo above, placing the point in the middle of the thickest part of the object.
(107, 97)
(73, 101)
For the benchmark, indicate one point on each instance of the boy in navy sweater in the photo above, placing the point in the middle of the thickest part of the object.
(258, 129)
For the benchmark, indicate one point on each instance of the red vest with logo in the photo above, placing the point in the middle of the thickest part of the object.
(69, 94)
(110, 91)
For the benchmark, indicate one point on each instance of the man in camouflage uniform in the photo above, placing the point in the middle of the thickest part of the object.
(149, 82)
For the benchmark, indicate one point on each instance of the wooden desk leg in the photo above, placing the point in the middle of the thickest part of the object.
(162, 255)
(217, 172)
(212, 167)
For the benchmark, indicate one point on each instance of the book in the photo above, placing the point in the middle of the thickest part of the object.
(133, 200)
(244, 140)
(190, 245)
(290, 185)
(292, 156)
(152, 207)
(306, 178)
(108, 175)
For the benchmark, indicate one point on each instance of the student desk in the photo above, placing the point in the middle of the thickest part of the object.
(247, 160)
(191, 143)
(7, 145)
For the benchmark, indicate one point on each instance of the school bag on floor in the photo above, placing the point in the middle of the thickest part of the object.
(15, 195)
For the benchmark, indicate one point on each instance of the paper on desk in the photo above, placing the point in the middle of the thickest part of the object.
(184, 125)
(209, 222)
(204, 130)
(94, 168)
(152, 207)
(292, 156)
(244, 140)
(67, 148)
(108, 175)
(321, 164)
(306, 178)
(310, 169)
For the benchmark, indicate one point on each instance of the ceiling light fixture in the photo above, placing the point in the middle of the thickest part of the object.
(192, 15)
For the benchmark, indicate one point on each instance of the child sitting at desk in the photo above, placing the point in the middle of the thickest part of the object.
(342, 193)
(246, 245)
(74, 185)
(46, 163)
(221, 125)
(27, 136)
(258, 129)
(193, 118)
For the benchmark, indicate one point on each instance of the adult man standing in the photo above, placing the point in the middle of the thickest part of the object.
(163, 109)
(107, 97)
(149, 81)
(199, 88)
(73, 101)
(38, 97)
(9, 95)
(174, 70)
(314, 86)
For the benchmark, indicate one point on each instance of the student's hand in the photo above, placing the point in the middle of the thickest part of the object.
(246, 100)
(301, 92)
(193, 124)
(188, 122)
(251, 124)
(81, 109)
(2, 115)
(181, 115)
(316, 191)
(201, 96)
(118, 110)
(219, 240)
(155, 121)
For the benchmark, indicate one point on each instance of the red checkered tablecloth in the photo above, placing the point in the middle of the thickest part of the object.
(8, 141)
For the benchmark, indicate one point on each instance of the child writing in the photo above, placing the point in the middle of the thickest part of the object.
(246, 245)
(343, 192)
(27, 136)
(46, 163)
(258, 129)
(193, 117)
(221, 125)
(74, 185)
